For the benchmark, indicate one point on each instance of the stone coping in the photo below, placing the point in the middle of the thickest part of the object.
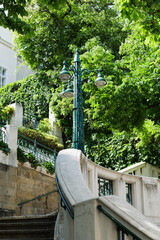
(70, 178)
(30, 216)
(38, 169)
(129, 214)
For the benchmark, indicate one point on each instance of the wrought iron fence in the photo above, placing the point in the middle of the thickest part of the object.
(40, 152)
(30, 121)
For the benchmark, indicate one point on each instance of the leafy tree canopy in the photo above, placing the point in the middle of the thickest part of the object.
(121, 120)
(10, 13)
(145, 13)
(58, 31)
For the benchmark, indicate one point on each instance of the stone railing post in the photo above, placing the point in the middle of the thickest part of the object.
(17, 118)
(11, 130)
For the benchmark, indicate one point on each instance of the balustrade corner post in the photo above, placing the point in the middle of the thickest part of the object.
(12, 134)
(17, 118)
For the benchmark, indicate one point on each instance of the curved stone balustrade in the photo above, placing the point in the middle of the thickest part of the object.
(77, 178)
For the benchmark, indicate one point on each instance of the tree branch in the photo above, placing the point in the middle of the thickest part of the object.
(69, 10)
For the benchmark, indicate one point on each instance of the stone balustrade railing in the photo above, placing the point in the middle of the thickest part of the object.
(78, 181)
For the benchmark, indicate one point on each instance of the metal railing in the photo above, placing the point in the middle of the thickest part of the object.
(30, 121)
(66, 206)
(122, 230)
(40, 151)
(38, 197)
(105, 187)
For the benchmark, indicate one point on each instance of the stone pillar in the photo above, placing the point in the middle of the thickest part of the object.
(12, 132)
(17, 118)
(11, 136)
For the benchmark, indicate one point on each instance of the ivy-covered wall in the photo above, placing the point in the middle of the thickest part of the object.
(34, 93)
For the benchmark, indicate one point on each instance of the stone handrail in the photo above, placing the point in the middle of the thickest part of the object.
(70, 178)
(145, 190)
(77, 178)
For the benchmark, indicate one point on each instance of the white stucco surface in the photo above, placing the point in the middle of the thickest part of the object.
(69, 175)
(15, 69)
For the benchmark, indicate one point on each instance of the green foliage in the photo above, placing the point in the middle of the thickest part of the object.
(10, 13)
(45, 126)
(57, 31)
(145, 13)
(6, 113)
(29, 157)
(21, 156)
(4, 147)
(32, 160)
(49, 167)
(116, 151)
(45, 139)
(122, 120)
(33, 93)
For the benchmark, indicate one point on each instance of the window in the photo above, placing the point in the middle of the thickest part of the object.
(2, 76)
(105, 187)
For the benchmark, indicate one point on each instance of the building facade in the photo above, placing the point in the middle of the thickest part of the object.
(12, 68)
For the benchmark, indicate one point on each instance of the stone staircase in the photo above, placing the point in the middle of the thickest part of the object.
(27, 228)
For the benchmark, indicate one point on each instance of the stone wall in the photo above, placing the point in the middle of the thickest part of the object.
(22, 183)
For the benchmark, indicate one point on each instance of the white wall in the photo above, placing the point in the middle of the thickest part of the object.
(9, 60)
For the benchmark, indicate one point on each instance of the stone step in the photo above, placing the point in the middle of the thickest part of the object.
(27, 233)
(27, 228)
(28, 219)
(27, 225)
(6, 212)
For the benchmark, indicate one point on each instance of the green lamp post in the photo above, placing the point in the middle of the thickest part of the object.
(76, 93)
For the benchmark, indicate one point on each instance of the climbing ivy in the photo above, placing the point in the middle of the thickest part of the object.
(4, 147)
(34, 93)
(6, 113)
